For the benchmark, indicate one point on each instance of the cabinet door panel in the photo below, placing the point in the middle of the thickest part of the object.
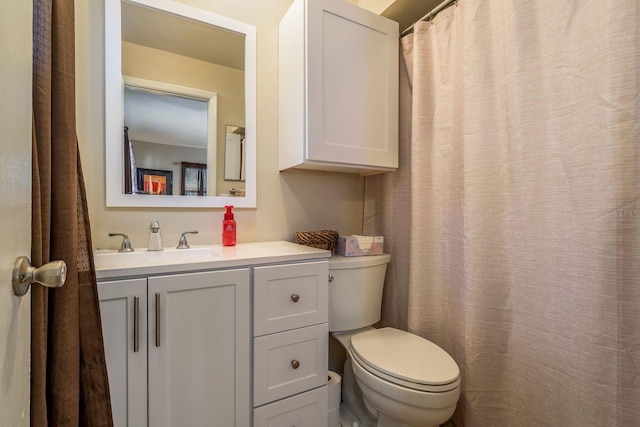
(352, 85)
(199, 349)
(126, 363)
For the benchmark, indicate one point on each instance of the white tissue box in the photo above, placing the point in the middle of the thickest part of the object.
(360, 245)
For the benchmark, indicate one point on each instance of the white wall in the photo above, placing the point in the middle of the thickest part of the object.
(287, 202)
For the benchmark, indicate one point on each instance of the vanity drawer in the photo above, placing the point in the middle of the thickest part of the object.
(290, 296)
(289, 362)
(305, 410)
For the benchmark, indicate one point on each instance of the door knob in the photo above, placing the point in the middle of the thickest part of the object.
(51, 275)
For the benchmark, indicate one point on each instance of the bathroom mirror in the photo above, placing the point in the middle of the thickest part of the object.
(175, 75)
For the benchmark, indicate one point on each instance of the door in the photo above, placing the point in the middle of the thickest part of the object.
(15, 207)
(198, 349)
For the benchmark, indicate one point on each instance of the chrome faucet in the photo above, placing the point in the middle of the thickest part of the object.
(155, 237)
(182, 244)
(126, 243)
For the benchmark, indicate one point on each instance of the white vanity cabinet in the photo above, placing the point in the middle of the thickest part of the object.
(338, 88)
(191, 333)
(290, 345)
(228, 337)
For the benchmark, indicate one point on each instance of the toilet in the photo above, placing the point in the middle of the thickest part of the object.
(391, 378)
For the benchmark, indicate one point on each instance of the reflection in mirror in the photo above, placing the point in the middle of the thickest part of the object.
(234, 154)
(166, 126)
(168, 65)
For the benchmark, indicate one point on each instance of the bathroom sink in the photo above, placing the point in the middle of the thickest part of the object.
(141, 257)
(113, 264)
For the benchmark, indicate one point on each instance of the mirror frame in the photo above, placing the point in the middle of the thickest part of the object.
(114, 110)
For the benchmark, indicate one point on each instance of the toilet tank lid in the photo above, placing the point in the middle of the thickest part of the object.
(338, 262)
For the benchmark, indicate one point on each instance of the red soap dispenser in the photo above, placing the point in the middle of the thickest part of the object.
(228, 228)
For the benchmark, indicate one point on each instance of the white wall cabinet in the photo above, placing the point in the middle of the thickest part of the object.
(193, 339)
(338, 88)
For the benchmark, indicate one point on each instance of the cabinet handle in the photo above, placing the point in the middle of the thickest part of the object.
(331, 278)
(295, 364)
(157, 319)
(136, 324)
(295, 297)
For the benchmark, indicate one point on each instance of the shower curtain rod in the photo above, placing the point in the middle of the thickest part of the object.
(429, 16)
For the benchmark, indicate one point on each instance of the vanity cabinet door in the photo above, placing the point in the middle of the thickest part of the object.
(123, 309)
(199, 349)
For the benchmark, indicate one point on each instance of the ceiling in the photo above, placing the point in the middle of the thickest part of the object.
(407, 12)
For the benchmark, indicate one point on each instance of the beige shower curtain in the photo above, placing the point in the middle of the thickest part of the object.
(69, 385)
(514, 219)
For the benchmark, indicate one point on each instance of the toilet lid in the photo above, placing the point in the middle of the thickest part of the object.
(405, 356)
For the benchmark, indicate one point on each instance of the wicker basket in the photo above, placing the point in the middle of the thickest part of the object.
(323, 239)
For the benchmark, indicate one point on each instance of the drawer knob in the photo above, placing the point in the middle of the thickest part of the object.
(295, 297)
(295, 364)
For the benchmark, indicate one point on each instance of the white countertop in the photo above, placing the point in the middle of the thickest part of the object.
(112, 264)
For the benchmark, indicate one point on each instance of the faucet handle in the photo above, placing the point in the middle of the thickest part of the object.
(126, 243)
(182, 244)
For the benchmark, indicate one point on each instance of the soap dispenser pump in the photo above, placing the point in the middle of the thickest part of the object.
(228, 228)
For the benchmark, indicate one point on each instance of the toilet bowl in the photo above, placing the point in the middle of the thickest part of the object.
(392, 378)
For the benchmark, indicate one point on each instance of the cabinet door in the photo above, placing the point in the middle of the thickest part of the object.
(199, 360)
(304, 410)
(352, 85)
(123, 309)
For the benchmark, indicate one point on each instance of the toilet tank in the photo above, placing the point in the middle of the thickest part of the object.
(355, 293)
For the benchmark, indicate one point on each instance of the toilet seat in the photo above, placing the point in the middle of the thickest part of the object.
(405, 359)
